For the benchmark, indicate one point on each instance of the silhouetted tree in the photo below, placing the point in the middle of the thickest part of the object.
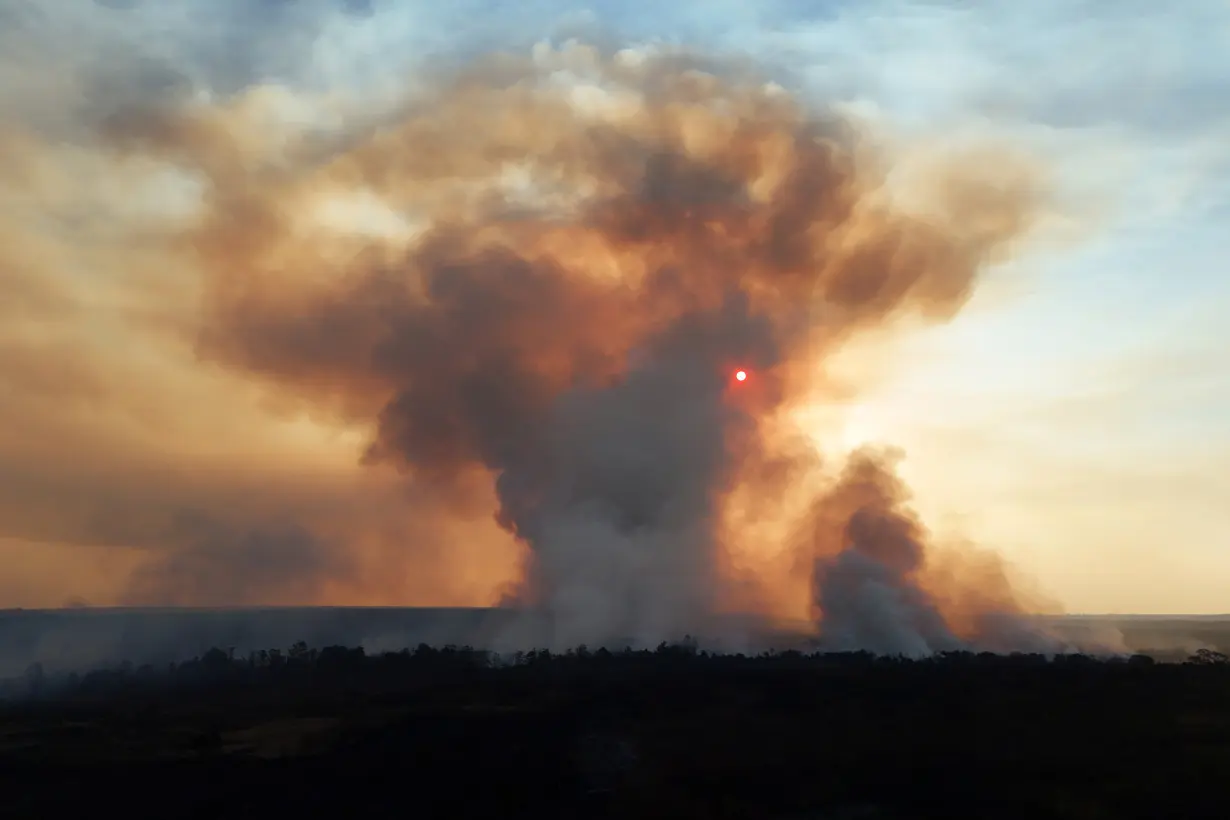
(1208, 657)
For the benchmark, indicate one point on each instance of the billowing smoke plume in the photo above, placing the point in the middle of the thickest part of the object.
(870, 576)
(556, 267)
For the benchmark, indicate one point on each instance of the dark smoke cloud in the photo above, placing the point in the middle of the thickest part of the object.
(870, 550)
(527, 284)
(205, 562)
(590, 266)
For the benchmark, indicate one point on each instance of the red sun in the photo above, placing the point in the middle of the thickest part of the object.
(741, 375)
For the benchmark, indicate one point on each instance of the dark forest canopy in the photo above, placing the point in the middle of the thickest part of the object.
(320, 666)
(676, 732)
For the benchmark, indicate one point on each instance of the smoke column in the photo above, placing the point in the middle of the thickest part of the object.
(564, 261)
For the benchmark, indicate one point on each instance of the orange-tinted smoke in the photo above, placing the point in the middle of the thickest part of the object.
(877, 583)
(579, 268)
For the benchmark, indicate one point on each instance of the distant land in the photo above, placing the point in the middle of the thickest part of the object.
(80, 638)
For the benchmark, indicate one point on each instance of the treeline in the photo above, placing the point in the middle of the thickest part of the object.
(355, 669)
(674, 732)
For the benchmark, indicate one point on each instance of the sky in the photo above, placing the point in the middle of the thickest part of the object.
(1074, 417)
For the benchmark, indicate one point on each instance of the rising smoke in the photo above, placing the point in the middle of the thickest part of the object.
(531, 282)
(582, 248)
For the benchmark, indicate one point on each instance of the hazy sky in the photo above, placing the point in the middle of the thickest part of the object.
(1076, 417)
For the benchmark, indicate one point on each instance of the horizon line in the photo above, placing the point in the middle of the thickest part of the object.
(461, 608)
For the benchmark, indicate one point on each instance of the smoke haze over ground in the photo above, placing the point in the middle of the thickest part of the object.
(472, 339)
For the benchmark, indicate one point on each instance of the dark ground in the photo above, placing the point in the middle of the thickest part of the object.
(675, 733)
